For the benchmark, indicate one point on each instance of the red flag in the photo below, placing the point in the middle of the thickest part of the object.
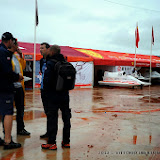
(152, 36)
(137, 36)
(37, 14)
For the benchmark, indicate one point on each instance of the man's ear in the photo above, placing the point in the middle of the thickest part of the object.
(10, 42)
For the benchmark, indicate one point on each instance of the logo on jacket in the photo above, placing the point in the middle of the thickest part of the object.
(8, 101)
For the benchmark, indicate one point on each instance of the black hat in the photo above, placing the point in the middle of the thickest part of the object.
(7, 36)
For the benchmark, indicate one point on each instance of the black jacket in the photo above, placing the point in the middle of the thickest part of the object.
(49, 75)
(50, 79)
(7, 76)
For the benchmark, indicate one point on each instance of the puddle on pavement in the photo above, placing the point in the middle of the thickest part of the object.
(86, 119)
(90, 107)
(103, 109)
(98, 100)
(33, 114)
(151, 99)
(135, 139)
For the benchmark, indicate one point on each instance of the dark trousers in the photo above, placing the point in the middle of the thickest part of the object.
(19, 103)
(45, 103)
(52, 115)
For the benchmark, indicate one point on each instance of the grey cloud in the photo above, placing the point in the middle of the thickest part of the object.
(56, 8)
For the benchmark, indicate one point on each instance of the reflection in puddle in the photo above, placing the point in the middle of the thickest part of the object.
(151, 99)
(135, 141)
(66, 154)
(125, 101)
(34, 114)
(14, 155)
(84, 119)
(103, 110)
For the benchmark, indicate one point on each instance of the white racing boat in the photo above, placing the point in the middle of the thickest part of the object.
(121, 79)
(138, 76)
(154, 75)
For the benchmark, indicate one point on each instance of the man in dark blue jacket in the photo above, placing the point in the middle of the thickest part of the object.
(44, 48)
(7, 88)
(56, 100)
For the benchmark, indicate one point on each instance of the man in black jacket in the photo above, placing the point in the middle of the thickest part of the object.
(56, 100)
(7, 88)
(44, 48)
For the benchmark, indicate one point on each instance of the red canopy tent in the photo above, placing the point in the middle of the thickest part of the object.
(71, 54)
(99, 57)
(110, 58)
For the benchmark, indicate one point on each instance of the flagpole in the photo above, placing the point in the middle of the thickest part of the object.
(135, 55)
(34, 59)
(135, 45)
(152, 41)
(150, 62)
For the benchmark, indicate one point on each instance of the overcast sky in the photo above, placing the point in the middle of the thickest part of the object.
(95, 24)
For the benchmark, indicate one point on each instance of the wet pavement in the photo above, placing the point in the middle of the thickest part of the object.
(107, 123)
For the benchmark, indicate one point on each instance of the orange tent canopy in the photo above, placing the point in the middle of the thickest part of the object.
(71, 54)
(110, 58)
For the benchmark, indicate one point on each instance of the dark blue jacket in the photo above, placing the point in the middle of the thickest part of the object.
(7, 76)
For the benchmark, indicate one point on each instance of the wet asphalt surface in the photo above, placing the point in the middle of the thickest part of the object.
(107, 123)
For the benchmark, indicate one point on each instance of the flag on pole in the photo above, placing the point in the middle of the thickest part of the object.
(152, 36)
(34, 60)
(137, 36)
(37, 14)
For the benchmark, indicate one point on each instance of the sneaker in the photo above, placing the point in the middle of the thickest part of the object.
(1, 142)
(11, 145)
(49, 146)
(23, 132)
(44, 135)
(65, 145)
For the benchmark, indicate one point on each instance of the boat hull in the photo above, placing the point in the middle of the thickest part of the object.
(118, 83)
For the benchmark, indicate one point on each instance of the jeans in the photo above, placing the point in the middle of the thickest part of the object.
(45, 103)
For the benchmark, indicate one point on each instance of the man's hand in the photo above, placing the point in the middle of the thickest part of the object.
(20, 77)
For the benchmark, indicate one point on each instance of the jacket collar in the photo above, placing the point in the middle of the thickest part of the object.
(4, 46)
(58, 57)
